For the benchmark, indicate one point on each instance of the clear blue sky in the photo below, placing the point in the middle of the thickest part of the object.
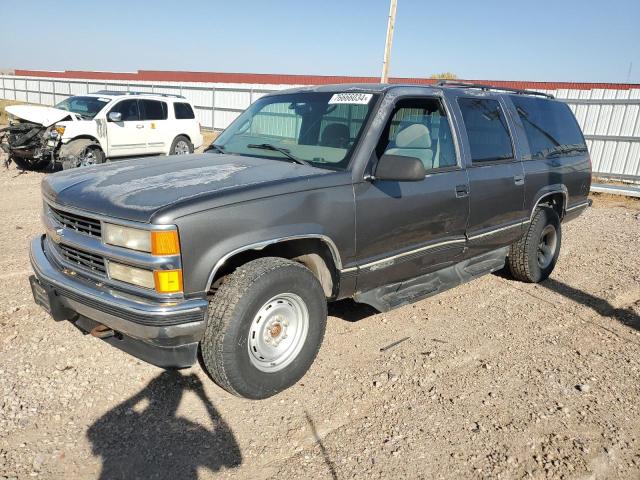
(510, 40)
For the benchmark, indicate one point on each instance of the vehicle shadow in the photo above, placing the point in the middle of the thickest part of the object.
(350, 311)
(144, 438)
(602, 307)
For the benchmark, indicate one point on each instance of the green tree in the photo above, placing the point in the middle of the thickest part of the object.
(444, 76)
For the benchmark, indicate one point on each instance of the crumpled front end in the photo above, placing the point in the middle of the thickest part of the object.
(31, 146)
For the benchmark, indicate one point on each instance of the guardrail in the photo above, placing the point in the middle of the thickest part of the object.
(610, 119)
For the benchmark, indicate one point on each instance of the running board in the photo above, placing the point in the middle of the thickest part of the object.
(396, 295)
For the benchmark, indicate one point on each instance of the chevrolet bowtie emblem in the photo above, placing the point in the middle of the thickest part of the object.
(57, 234)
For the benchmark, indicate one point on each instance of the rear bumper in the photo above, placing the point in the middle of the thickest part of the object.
(164, 334)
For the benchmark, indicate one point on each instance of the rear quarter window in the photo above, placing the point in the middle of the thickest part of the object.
(550, 127)
(487, 130)
(183, 111)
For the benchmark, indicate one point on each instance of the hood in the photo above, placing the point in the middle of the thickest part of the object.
(45, 116)
(137, 189)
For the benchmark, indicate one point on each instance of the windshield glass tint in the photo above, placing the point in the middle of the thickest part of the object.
(319, 128)
(87, 107)
(550, 127)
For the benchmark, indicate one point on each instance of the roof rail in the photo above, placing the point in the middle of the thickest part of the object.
(519, 91)
(116, 92)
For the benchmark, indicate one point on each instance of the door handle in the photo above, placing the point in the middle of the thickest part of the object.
(139, 126)
(462, 191)
(518, 179)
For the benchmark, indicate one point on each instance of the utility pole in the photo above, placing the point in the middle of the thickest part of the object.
(384, 78)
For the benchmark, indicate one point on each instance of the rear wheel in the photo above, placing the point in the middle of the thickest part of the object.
(534, 256)
(181, 146)
(265, 326)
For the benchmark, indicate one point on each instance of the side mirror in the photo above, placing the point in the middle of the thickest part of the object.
(114, 117)
(400, 169)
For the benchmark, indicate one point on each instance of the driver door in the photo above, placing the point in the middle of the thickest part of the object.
(129, 136)
(406, 229)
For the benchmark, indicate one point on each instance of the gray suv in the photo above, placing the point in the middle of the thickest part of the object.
(385, 194)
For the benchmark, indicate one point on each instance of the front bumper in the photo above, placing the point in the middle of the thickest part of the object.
(164, 334)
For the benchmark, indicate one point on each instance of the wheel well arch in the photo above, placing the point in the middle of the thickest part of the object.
(318, 253)
(557, 200)
(181, 135)
(77, 144)
(86, 137)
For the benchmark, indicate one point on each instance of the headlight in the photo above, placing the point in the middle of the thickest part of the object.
(156, 242)
(60, 130)
(133, 275)
(132, 238)
(163, 281)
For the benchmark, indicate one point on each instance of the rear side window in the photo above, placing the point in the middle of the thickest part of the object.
(153, 110)
(487, 130)
(550, 127)
(128, 109)
(183, 111)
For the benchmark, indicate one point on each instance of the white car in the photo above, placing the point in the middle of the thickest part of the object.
(88, 129)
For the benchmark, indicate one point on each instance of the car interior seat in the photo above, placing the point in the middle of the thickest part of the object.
(414, 140)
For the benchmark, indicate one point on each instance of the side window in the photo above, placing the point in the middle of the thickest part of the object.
(420, 128)
(487, 130)
(183, 111)
(153, 110)
(128, 109)
(550, 127)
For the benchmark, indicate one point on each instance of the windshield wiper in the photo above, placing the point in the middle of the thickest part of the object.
(284, 151)
(215, 147)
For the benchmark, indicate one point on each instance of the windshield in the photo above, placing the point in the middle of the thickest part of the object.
(86, 107)
(321, 129)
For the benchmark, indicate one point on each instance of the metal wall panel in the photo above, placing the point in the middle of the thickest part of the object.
(610, 119)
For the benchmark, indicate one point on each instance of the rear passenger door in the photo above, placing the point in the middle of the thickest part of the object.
(154, 117)
(496, 176)
(407, 229)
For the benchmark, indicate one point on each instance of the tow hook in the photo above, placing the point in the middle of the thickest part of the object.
(102, 331)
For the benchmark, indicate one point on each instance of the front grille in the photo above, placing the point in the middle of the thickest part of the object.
(79, 223)
(88, 261)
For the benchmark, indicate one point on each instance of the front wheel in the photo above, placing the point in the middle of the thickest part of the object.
(91, 155)
(265, 326)
(533, 257)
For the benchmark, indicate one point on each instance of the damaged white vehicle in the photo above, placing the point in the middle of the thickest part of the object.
(88, 129)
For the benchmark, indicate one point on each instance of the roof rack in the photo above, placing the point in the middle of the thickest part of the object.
(519, 91)
(116, 92)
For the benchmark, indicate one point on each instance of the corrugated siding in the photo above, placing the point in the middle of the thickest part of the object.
(609, 118)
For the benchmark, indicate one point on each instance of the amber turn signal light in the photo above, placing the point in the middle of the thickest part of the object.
(168, 281)
(165, 242)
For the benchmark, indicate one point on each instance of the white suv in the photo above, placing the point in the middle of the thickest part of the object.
(87, 129)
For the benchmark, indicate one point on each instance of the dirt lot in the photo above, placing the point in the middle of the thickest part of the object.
(496, 379)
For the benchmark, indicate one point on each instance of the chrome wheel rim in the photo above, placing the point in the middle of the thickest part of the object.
(278, 332)
(547, 246)
(181, 148)
(88, 158)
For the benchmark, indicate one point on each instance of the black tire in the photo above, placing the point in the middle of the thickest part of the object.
(241, 295)
(180, 140)
(98, 157)
(523, 260)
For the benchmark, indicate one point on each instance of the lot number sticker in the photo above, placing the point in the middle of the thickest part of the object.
(350, 98)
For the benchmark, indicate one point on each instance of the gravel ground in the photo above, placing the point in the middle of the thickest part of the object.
(492, 379)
